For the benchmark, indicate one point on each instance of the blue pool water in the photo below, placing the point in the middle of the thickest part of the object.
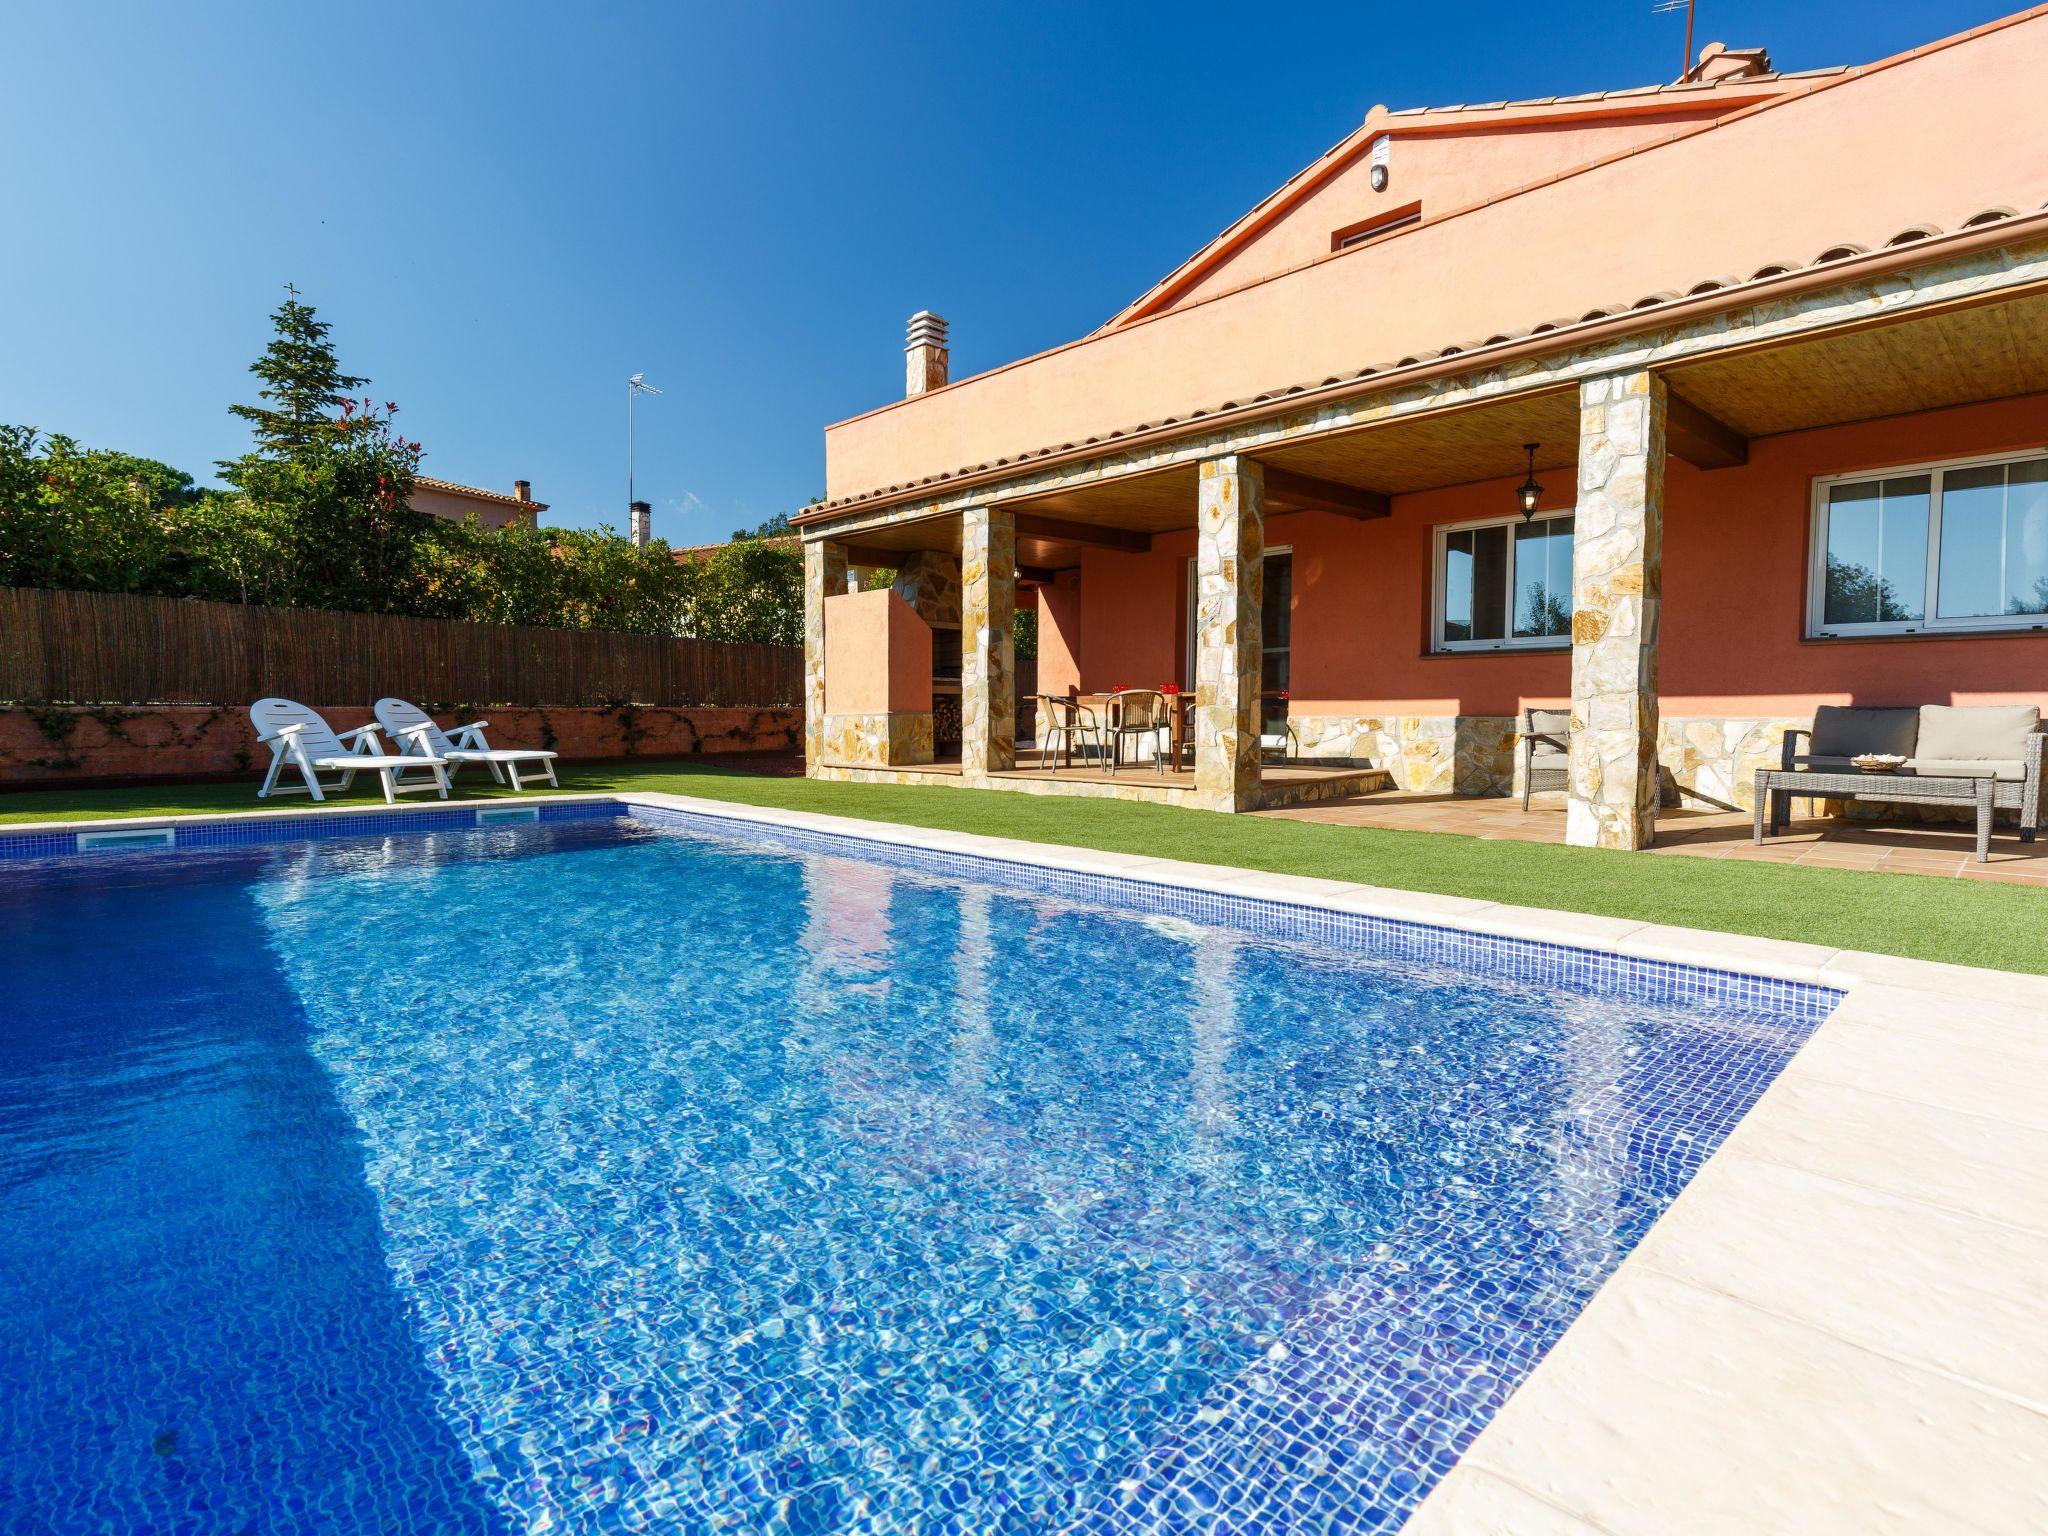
(605, 1176)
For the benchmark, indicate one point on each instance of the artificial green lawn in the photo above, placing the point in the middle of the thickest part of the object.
(1964, 921)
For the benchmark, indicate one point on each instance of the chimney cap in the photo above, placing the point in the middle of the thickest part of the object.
(926, 328)
(1717, 61)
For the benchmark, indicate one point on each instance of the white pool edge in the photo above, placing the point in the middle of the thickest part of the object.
(1836, 1327)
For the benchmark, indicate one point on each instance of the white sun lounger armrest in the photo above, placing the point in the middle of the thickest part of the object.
(471, 736)
(363, 739)
(283, 733)
(416, 736)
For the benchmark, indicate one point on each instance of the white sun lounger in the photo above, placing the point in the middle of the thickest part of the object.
(414, 731)
(299, 738)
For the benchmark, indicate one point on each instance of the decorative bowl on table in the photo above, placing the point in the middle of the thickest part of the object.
(1878, 762)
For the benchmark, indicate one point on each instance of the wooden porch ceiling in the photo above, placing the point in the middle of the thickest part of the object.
(1992, 351)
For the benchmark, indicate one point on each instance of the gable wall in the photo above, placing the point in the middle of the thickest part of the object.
(1443, 171)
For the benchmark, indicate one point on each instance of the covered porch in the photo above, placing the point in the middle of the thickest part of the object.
(1303, 554)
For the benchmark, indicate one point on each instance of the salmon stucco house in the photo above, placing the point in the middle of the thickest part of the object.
(1687, 408)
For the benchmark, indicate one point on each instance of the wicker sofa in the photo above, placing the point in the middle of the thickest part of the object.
(2003, 743)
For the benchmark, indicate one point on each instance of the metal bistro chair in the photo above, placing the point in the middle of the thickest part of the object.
(1071, 721)
(1546, 750)
(1137, 712)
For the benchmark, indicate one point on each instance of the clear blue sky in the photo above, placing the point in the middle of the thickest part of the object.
(505, 209)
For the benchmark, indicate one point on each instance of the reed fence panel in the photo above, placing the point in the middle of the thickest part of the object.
(114, 648)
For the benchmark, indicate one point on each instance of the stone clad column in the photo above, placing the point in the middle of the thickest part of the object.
(824, 576)
(1230, 572)
(988, 674)
(1617, 588)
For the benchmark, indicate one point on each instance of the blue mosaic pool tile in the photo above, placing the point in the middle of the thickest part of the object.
(1524, 959)
(37, 845)
(302, 827)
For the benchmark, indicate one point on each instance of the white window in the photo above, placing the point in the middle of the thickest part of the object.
(1504, 585)
(1952, 546)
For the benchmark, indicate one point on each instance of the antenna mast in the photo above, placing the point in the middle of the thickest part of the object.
(1670, 7)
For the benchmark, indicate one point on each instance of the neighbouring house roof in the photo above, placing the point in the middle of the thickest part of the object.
(1936, 184)
(689, 552)
(477, 493)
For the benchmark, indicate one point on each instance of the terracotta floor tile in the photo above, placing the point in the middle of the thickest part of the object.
(1698, 832)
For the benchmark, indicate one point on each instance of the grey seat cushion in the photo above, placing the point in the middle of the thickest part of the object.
(1976, 733)
(2009, 770)
(1843, 731)
(1825, 764)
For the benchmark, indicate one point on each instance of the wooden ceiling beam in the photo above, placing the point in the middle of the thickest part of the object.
(1031, 525)
(864, 558)
(1308, 493)
(1703, 441)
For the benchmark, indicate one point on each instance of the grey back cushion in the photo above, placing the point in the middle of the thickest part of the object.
(1840, 731)
(1976, 733)
(1555, 723)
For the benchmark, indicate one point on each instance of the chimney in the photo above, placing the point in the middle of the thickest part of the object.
(522, 490)
(641, 523)
(1720, 62)
(925, 357)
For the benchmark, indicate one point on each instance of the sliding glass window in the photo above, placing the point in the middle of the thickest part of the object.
(1504, 585)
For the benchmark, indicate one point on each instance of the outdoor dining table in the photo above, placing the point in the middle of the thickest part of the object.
(1182, 705)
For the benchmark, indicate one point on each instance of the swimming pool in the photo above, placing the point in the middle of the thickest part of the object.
(647, 1172)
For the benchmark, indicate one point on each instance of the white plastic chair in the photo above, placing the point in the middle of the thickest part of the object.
(415, 732)
(299, 738)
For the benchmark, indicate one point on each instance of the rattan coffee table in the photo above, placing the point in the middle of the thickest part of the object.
(1776, 787)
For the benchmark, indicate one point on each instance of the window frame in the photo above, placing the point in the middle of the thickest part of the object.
(1817, 627)
(1392, 221)
(1439, 566)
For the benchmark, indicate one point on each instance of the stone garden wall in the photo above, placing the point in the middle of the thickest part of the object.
(88, 746)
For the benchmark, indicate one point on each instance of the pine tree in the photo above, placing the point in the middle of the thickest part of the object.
(303, 386)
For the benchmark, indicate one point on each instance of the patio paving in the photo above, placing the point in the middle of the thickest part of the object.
(1896, 847)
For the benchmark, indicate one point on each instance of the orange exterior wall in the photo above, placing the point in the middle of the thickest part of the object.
(878, 655)
(490, 515)
(1932, 140)
(1059, 634)
(1735, 564)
